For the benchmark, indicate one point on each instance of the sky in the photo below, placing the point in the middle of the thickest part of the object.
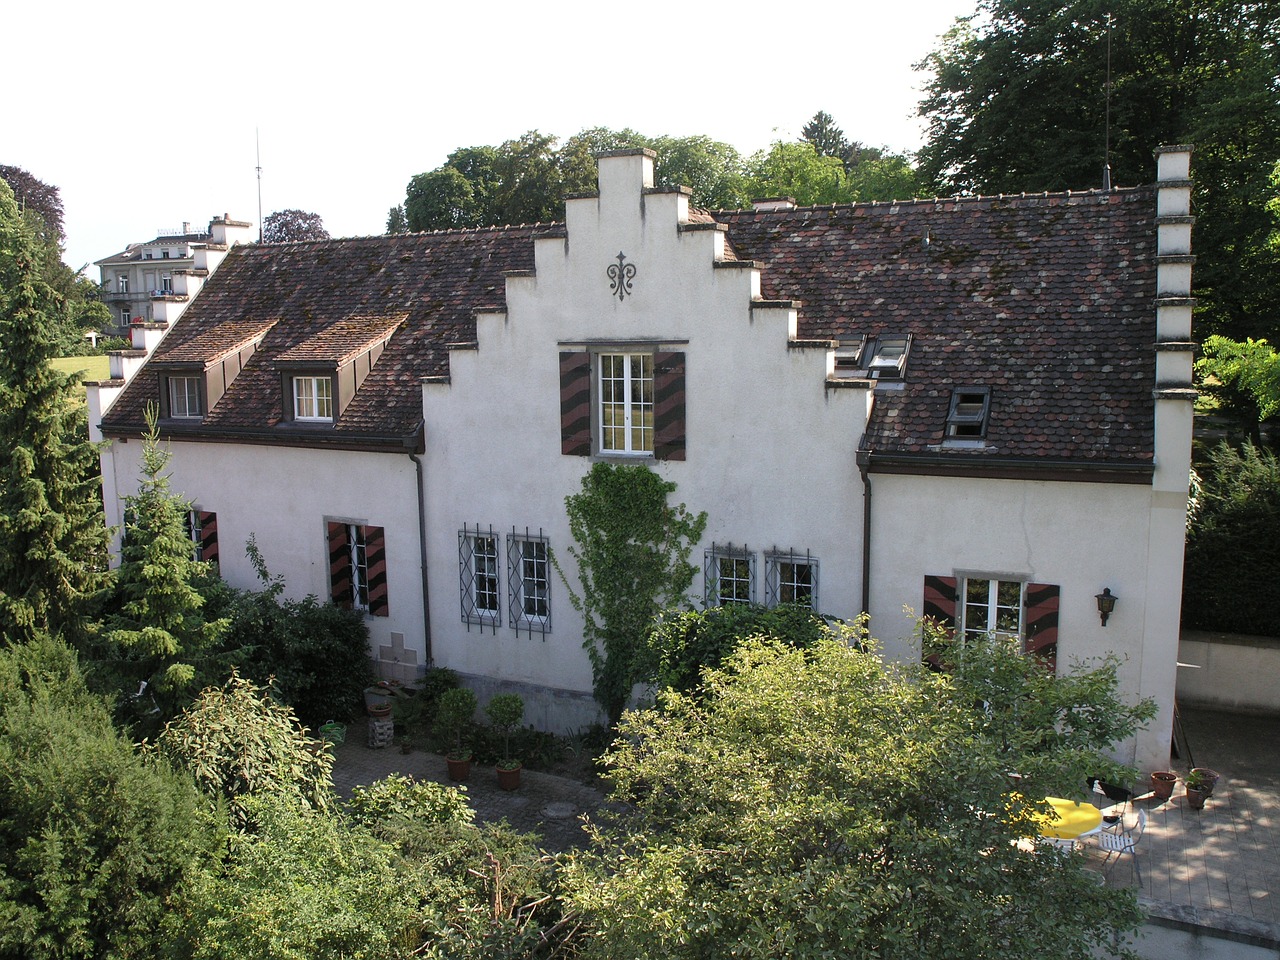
(149, 115)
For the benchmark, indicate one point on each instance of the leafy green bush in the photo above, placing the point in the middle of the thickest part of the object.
(316, 654)
(238, 741)
(1231, 581)
(302, 886)
(504, 711)
(398, 796)
(95, 839)
(684, 643)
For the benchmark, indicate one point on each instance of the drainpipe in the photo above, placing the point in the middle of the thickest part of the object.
(422, 553)
(864, 460)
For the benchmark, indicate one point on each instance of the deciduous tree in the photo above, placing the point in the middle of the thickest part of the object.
(813, 803)
(291, 226)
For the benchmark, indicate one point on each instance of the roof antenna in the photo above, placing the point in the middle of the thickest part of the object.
(1106, 163)
(257, 143)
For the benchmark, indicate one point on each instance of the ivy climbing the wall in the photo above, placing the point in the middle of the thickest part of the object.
(632, 549)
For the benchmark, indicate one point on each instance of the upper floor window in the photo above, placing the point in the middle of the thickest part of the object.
(185, 397)
(626, 403)
(622, 403)
(166, 284)
(122, 283)
(358, 567)
(165, 255)
(126, 315)
(313, 398)
(1015, 611)
(991, 607)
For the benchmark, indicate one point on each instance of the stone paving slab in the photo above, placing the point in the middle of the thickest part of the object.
(549, 806)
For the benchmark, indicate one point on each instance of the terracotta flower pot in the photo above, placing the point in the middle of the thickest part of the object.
(509, 779)
(1210, 778)
(459, 767)
(1162, 782)
(380, 711)
(1196, 798)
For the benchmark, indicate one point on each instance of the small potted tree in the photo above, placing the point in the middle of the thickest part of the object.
(1199, 786)
(505, 711)
(453, 714)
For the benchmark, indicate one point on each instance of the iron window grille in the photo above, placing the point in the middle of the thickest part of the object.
(478, 576)
(729, 574)
(791, 577)
(529, 581)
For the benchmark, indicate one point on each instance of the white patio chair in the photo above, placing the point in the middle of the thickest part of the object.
(1117, 841)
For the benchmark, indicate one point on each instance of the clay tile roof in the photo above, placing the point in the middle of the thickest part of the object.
(209, 346)
(432, 283)
(343, 340)
(1046, 299)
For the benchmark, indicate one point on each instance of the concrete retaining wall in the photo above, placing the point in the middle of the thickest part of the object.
(1227, 671)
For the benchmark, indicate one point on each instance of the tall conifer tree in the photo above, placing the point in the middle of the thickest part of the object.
(53, 539)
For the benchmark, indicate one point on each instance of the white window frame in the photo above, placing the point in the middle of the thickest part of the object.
(480, 576)
(126, 316)
(359, 567)
(781, 582)
(994, 608)
(182, 401)
(122, 283)
(529, 581)
(725, 564)
(617, 373)
(166, 284)
(316, 404)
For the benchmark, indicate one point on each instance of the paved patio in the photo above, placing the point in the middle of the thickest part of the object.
(1219, 866)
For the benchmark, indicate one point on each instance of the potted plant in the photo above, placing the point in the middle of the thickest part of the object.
(1162, 783)
(1210, 778)
(454, 712)
(1199, 787)
(505, 711)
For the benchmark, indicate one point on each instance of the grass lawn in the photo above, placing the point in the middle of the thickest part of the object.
(93, 368)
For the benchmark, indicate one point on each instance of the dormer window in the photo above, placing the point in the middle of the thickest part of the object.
(967, 418)
(313, 399)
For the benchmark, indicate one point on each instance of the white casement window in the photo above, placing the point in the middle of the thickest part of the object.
(791, 578)
(126, 316)
(358, 558)
(529, 582)
(313, 398)
(991, 608)
(184, 397)
(626, 403)
(478, 576)
(166, 284)
(729, 575)
(122, 283)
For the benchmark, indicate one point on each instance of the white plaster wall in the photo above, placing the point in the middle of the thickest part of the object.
(770, 450)
(283, 496)
(1081, 536)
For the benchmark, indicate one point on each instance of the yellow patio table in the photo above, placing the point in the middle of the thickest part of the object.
(1070, 820)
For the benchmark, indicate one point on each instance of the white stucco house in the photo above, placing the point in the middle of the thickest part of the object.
(978, 409)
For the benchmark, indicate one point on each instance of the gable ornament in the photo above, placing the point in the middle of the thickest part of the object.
(620, 276)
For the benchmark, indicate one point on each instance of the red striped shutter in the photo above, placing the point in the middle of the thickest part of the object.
(1041, 620)
(375, 560)
(575, 404)
(208, 536)
(340, 565)
(940, 601)
(668, 406)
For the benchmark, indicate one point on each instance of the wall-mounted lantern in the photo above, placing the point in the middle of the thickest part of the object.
(1106, 603)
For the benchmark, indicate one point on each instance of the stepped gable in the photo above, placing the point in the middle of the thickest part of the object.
(1047, 299)
(327, 295)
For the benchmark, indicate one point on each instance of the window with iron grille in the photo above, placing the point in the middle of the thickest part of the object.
(729, 573)
(529, 581)
(791, 578)
(478, 575)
